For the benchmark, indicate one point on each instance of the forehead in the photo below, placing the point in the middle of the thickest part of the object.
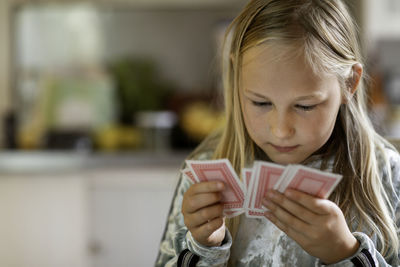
(272, 51)
(282, 67)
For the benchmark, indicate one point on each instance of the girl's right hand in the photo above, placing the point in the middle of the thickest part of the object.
(202, 212)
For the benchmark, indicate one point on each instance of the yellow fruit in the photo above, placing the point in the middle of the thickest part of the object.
(199, 120)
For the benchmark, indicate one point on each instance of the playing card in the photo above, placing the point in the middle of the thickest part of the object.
(247, 196)
(246, 176)
(233, 213)
(249, 192)
(284, 178)
(311, 181)
(267, 175)
(220, 170)
(249, 176)
(189, 175)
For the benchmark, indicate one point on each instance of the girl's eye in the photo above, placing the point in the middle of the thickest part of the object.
(261, 104)
(306, 108)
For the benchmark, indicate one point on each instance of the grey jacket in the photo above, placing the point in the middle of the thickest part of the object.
(260, 243)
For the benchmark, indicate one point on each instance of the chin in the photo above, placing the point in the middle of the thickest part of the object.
(284, 162)
(285, 159)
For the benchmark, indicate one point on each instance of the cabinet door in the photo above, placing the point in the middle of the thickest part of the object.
(128, 211)
(43, 221)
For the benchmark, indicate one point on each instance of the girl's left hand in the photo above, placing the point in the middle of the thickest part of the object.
(317, 225)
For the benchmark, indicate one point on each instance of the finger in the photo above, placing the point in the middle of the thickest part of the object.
(286, 218)
(199, 201)
(205, 230)
(317, 205)
(205, 215)
(206, 187)
(291, 206)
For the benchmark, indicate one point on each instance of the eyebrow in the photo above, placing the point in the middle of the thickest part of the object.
(305, 97)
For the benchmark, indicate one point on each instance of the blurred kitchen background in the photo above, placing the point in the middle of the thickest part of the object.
(101, 101)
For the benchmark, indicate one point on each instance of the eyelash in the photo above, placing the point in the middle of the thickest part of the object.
(264, 104)
(306, 108)
(261, 104)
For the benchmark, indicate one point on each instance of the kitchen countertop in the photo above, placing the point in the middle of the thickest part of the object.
(23, 162)
(40, 162)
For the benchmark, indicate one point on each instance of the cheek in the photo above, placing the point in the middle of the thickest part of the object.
(252, 121)
(320, 128)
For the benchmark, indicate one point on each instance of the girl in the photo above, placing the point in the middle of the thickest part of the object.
(293, 94)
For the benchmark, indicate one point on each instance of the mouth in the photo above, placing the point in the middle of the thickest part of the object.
(284, 149)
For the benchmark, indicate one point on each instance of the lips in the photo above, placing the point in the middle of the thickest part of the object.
(284, 149)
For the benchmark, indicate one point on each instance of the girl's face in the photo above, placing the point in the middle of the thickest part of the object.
(289, 112)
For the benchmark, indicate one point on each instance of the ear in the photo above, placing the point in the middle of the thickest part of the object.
(354, 80)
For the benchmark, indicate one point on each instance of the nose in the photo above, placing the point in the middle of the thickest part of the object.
(281, 125)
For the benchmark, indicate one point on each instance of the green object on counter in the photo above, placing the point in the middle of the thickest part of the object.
(139, 87)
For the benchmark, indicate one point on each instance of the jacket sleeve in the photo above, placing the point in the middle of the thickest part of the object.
(178, 248)
(367, 255)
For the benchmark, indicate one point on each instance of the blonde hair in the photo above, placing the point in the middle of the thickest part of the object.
(327, 37)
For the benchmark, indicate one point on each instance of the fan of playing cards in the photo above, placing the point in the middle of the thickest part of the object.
(247, 197)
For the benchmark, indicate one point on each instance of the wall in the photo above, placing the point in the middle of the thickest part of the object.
(4, 63)
(382, 20)
(182, 42)
(179, 37)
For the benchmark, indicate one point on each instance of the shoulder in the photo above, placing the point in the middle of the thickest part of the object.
(394, 163)
(389, 166)
(394, 160)
(388, 157)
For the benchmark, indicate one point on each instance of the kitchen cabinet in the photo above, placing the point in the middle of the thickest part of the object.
(128, 214)
(101, 212)
(43, 221)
